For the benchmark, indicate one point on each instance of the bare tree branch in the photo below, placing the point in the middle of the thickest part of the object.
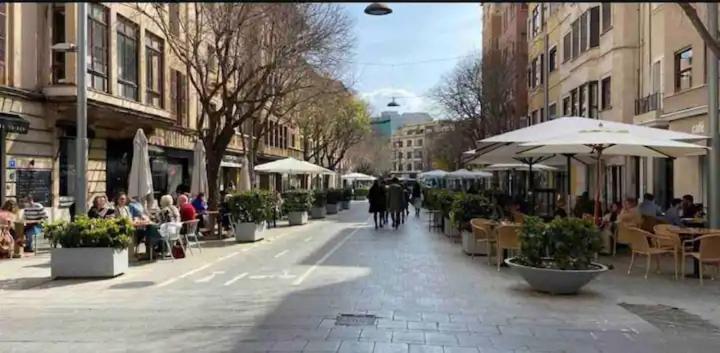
(711, 40)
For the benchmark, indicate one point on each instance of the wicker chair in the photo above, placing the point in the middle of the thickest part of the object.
(644, 243)
(508, 238)
(708, 252)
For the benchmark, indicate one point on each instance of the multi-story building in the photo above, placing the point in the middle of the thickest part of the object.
(409, 148)
(589, 51)
(134, 82)
(505, 35)
(390, 121)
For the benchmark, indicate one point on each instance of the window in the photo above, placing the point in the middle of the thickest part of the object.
(594, 27)
(605, 102)
(174, 18)
(58, 36)
(400, 167)
(552, 111)
(592, 99)
(178, 97)
(583, 32)
(541, 68)
(418, 166)
(534, 117)
(566, 106)
(575, 39)
(408, 155)
(97, 47)
(574, 102)
(127, 52)
(541, 115)
(552, 59)
(409, 143)
(606, 9)
(419, 142)
(683, 69)
(567, 47)
(657, 76)
(582, 93)
(536, 20)
(153, 70)
(418, 154)
(409, 167)
(400, 144)
(395, 166)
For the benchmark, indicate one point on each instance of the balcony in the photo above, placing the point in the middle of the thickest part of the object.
(648, 103)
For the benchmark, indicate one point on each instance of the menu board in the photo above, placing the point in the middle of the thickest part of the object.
(36, 182)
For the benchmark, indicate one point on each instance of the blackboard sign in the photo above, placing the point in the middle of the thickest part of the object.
(38, 183)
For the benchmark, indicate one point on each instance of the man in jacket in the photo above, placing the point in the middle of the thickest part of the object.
(396, 198)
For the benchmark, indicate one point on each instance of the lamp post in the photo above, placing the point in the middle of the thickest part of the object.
(714, 153)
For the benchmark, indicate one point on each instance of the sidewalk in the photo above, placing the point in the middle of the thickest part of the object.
(26, 272)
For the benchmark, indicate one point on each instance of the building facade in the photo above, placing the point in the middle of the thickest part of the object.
(134, 82)
(389, 122)
(409, 149)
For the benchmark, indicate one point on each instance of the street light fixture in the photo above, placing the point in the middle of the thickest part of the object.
(378, 9)
(393, 103)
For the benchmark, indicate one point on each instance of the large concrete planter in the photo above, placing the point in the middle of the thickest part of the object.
(556, 281)
(449, 229)
(331, 208)
(318, 212)
(248, 231)
(470, 246)
(345, 205)
(297, 218)
(87, 262)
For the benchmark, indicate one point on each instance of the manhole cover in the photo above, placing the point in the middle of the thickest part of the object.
(671, 319)
(355, 320)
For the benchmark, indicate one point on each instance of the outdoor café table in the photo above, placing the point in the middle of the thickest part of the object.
(687, 233)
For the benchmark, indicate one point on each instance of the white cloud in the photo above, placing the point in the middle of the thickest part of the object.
(408, 100)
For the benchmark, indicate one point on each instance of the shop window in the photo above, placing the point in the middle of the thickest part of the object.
(153, 70)
(127, 57)
(98, 47)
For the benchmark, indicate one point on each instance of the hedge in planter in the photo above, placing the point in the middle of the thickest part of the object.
(296, 205)
(334, 196)
(249, 211)
(318, 209)
(361, 194)
(89, 247)
(468, 206)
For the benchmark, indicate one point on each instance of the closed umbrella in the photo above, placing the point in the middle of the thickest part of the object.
(140, 180)
(199, 182)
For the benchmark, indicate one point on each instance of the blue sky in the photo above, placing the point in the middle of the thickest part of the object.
(412, 33)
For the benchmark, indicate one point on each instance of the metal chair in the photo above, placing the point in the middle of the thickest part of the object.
(191, 231)
(169, 233)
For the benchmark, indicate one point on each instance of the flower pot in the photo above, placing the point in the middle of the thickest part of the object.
(248, 231)
(87, 262)
(450, 229)
(470, 246)
(262, 227)
(297, 218)
(345, 205)
(318, 212)
(556, 281)
(331, 208)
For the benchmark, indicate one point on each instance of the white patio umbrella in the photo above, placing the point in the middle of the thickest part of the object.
(358, 177)
(467, 174)
(292, 166)
(199, 181)
(498, 167)
(140, 180)
(437, 173)
(602, 140)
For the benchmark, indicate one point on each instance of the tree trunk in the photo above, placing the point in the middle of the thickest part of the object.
(213, 172)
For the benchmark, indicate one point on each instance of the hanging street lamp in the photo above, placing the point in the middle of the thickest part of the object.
(378, 9)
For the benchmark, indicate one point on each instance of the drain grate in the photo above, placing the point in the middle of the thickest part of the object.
(671, 319)
(355, 320)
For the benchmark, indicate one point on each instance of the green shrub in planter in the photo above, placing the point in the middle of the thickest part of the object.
(334, 196)
(87, 232)
(564, 243)
(443, 200)
(361, 194)
(297, 201)
(251, 206)
(319, 198)
(468, 206)
(347, 194)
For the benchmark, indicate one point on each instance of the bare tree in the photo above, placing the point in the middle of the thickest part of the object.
(711, 40)
(444, 148)
(373, 155)
(245, 61)
(479, 94)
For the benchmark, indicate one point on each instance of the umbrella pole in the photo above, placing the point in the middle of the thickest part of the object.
(568, 182)
(598, 183)
(531, 188)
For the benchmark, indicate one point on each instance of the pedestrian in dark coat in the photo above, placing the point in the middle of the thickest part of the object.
(396, 198)
(376, 197)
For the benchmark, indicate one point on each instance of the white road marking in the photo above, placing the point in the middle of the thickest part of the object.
(227, 256)
(282, 253)
(210, 277)
(286, 275)
(307, 239)
(246, 250)
(187, 274)
(323, 259)
(259, 277)
(236, 278)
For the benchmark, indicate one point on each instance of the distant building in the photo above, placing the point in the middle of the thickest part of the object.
(389, 121)
(410, 154)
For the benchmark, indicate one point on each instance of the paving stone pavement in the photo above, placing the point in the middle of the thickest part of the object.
(284, 294)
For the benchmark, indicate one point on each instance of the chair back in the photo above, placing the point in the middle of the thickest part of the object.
(663, 230)
(479, 228)
(518, 217)
(191, 227)
(649, 223)
(623, 233)
(508, 236)
(638, 239)
(710, 247)
(170, 229)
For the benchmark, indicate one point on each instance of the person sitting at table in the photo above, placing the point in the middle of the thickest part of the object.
(648, 207)
(100, 208)
(187, 211)
(689, 210)
(34, 214)
(672, 215)
(225, 211)
(200, 204)
(630, 215)
(8, 216)
(121, 206)
(560, 207)
(168, 212)
(149, 232)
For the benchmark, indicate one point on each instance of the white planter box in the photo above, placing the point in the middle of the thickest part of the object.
(297, 218)
(248, 232)
(318, 212)
(472, 247)
(450, 229)
(87, 262)
(331, 208)
(262, 227)
(345, 205)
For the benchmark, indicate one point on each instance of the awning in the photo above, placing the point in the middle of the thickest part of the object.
(11, 122)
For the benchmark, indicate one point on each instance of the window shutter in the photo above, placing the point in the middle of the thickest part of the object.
(174, 99)
(183, 98)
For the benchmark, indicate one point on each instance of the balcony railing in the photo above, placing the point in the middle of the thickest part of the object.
(648, 103)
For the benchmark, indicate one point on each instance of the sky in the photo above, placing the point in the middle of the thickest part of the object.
(389, 49)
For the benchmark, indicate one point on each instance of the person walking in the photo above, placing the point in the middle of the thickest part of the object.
(376, 197)
(416, 198)
(395, 201)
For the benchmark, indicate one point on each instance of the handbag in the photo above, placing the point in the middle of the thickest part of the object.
(177, 251)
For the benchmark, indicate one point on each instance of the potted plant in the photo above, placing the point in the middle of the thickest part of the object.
(557, 257)
(334, 196)
(347, 195)
(89, 247)
(444, 200)
(296, 205)
(464, 208)
(361, 194)
(249, 211)
(318, 209)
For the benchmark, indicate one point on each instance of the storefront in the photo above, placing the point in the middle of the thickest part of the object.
(25, 182)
